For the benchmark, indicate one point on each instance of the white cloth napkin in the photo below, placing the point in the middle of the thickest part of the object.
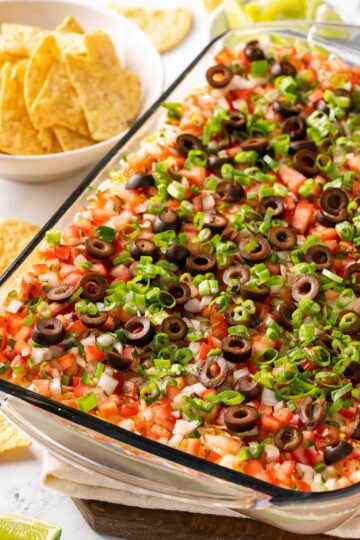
(86, 484)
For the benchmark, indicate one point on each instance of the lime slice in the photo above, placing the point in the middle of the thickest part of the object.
(277, 10)
(14, 527)
(316, 10)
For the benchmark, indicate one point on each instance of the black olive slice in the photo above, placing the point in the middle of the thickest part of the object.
(276, 203)
(323, 106)
(248, 387)
(99, 249)
(283, 315)
(253, 52)
(258, 144)
(139, 331)
(180, 291)
(230, 315)
(332, 200)
(235, 275)
(200, 264)
(177, 254)
(93, 321)
(167, 220)
(353, 271)
(236, 349)
(117, 360)
(174, 327)
(282, 68)
(229, 192)
(237, 121)
(255, 254)
(305, 287)
(312, 413)
(329, 220)
(48, 331)
(143, 247)
(215, 222)
(241, 418)
(352, 372)
(218, 76)
(304, 161)
(282, 238)
(94, 286)
(322, 256)
(216, 162)
(285, 110)
(213, 372)
(60, 293)
(295, 127)
(287, 438)
(355, 434)
(186, 142)
(140, 180)
(295, 146)
(259, 293)
(349, 315)
(337, 452)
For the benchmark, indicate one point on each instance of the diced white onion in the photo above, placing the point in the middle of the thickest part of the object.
(109, 371)
(317, 484)
(195, 324)
(240, 373)
(268, 397)
(89, 340)
(175, 440)
(55, 387)
(127, 424)
(80, 361)
(193, 305)
(194, 347)
(227, 461)
(25, 351)
(183, 427)
(14, 306)
(51, 278)
(208, 202)
(205, 301)
(107, 383)
(118, 347)
(79, 259)
(147, 414)
(106, 340)
(278, 405)
(40, 354)
(272, 452)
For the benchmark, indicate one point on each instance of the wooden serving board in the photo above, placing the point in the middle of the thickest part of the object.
(140, 524)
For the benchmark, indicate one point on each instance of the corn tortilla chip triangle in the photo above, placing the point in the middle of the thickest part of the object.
(17, 134)
(14, 237)
(109, 95)
(165, 28)
(71, 42)
(70, 140)
(69, 24)
(57, 102)
(38, 68)
(49, 141)
(20, 40)
(11, 437)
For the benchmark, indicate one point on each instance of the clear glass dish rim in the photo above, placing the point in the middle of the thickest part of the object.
(279, 496)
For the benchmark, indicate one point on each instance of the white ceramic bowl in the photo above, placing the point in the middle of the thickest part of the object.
(135, 51)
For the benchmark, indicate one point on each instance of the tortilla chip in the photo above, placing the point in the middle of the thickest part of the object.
(14, 237)
(20, 40)
(57, 102)
(17, 134)
(71, 42)
(69, 24)
(165, 28)
(11, 437)
(38, 68)
(109, 95)
(69, 140)
(49, 141)
(212, 4)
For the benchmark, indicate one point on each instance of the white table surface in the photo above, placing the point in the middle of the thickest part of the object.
(20, 487)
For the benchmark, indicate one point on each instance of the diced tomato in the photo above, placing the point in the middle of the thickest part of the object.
(129, 389)
(162, 415)
(31, 286)
(68, 364)
(225, 57)
(41, 386)
(303, 216)
(292, 178)
(131, 409)
(209, 455)
(23, 334)
(93, 354)
(14, 325)
(219, 326)
(121, 379)
(172, 391)
(193, 446)
(269, 423)
(82, 389)
(204, 349)
(62, 252)
(252, 467)
(75, 380)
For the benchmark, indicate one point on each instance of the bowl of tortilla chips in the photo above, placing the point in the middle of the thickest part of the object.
(73, 78)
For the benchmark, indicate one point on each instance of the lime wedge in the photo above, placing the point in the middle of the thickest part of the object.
(277, 10)
(316, 10)
(235, 14)
(14, 527)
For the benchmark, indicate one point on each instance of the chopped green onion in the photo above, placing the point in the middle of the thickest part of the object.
(332, 276)
(258, 68)
(52, 236)
(87, 403)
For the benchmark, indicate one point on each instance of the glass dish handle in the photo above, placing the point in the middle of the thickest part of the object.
(136, 471)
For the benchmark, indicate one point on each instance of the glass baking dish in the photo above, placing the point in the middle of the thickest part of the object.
(145, 465)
